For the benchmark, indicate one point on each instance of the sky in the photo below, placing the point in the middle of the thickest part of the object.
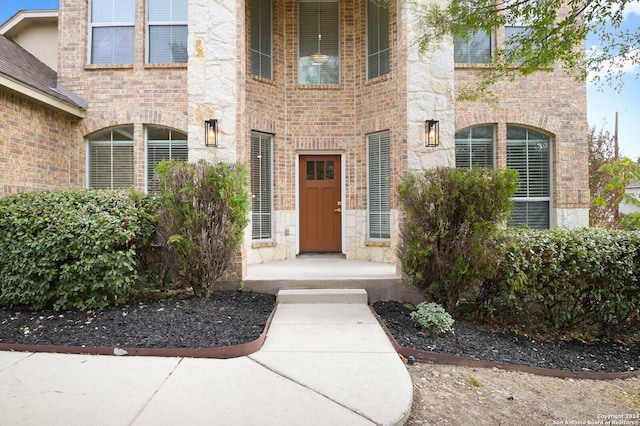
(602, 101)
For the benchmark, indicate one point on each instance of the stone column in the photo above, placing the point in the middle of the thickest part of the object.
(430, 95)
(213, 77)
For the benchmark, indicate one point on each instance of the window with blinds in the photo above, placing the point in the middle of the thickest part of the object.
(261, 186)
(111, 159)
(379, 185)
(473, 50)
(261, 38)
(377, 39)
(474, 147)
(528, 153)
(163, 144)
(319, 43)
(112, 24)
(167, 31)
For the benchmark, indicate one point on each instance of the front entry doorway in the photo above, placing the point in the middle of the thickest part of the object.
(320, 204)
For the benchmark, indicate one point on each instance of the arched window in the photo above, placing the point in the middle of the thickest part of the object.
(474, 147)
(529, 153)
(163, 144)
(111, 159)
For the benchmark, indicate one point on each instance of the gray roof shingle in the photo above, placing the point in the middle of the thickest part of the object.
(19, 65)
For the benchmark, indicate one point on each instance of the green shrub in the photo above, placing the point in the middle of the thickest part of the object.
(432, 317)
(203, 216)
(584, 280)
(450, 217)
(72, 248)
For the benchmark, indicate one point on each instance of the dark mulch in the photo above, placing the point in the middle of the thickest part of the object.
(227, 318)
(234, 317)
(470, 342)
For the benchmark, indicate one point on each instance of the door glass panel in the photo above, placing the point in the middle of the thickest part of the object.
(320, 170)
(311, 169)
(329, 170)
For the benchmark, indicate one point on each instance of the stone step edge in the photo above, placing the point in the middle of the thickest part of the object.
(323, 295)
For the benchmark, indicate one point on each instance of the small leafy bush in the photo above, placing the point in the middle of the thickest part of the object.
(450, 218)
(202, 220)
(583, 280)
(72, 249)
(432, 317)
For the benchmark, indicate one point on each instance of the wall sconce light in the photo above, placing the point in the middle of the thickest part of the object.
(211, 132)
(431, 133)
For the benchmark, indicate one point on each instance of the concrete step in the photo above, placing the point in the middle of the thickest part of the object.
(323, 295)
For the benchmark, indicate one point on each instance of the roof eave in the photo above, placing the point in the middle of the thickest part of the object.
(26, 90)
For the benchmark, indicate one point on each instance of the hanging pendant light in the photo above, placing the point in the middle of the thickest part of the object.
(318, 58)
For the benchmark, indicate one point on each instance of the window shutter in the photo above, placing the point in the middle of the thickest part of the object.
(379, 185)
(261, 186)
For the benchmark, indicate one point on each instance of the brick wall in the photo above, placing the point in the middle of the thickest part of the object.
(552, 102)
(137, 94)
(38, 149)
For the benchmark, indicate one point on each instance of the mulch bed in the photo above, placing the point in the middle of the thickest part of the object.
(228, 318)
(471, 342)
(231, 318)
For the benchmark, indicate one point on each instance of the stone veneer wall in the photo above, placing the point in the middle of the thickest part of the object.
(38, 150)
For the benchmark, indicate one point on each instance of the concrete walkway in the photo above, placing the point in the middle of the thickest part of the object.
(326, 361)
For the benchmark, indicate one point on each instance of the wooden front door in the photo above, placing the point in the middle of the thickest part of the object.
(320, 203)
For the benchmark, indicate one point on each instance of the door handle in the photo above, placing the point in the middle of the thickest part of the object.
(339, 210)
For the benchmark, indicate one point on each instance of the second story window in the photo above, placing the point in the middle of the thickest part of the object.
(261, 38)
(377, 39)
(112, 31)
(319, 43)
(167, 31)
(474, 50)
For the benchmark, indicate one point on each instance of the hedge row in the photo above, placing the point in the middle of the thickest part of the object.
(585, 280)
(72, 248)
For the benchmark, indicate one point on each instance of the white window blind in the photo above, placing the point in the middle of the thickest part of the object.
(474, 50)
(112, 31)
(319, 43)
(261, 38)
(111, 159)
(163, 144)
(167, 31)
(377, 39)
(261, 186)
(474, 147)
(528, 153)
(379, 185)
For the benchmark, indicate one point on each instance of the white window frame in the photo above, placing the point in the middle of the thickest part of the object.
(179, 145)
(112, 164)
(527, 198)
(320, 67)
(380, 53)
(257, 233)
(257, 17)
(113, 24)
(170, 23)
(467, 44)
(470, 142)
(372, 180)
